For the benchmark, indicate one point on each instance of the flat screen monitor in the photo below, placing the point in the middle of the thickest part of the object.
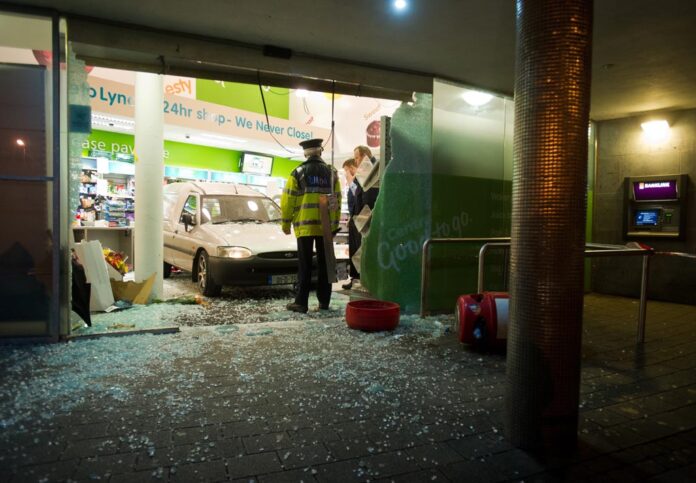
(647, 217)
(655, 190)
(256, 164)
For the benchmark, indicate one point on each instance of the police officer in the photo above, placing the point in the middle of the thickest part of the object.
(300, 207)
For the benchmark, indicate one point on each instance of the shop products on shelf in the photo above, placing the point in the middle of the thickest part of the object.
(88, 182)
(119, 189)
(114, 211)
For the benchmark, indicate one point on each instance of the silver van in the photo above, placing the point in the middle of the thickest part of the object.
(226, 234)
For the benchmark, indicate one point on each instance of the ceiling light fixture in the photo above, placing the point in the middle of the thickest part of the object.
(400, 5)
(20, 142)
(100, 120)
(476, 98)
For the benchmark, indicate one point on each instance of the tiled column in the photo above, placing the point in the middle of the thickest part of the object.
(552, 94)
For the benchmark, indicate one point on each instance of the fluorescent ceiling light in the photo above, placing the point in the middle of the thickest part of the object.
(224, 139)
(476, 98)
(113, 122)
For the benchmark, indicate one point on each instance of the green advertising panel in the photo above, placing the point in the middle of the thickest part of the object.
(450, 177)
(245, 97)
(391, 256)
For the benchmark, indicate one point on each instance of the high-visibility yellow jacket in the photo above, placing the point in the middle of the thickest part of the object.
(300, 201)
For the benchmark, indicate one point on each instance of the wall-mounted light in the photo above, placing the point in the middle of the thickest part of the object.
(656, 131)
(476, 98)
(20, 142)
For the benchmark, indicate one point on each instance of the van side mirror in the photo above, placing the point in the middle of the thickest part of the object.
(188, 220)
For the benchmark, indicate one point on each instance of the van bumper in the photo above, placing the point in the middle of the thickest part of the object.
(251, 271)
(258, 271)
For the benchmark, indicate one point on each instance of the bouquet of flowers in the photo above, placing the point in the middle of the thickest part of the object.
(116, 260)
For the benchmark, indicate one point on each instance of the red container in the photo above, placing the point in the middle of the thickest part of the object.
(372, 315)
(482, 319)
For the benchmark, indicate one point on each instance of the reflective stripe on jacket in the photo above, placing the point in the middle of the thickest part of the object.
(300, 201)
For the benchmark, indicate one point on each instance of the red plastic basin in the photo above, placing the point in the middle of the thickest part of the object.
(372, 315)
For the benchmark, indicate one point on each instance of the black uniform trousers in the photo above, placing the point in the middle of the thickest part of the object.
(305, 251)
(354, 241)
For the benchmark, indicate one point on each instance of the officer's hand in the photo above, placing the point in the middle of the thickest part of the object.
(286, 230)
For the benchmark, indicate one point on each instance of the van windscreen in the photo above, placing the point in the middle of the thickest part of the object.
(238, 209)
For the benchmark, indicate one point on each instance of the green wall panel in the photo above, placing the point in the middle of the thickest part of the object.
(591, 168)
(472, 188)
(283, 167)
(201, 157)
(465, 207)
(245, 97)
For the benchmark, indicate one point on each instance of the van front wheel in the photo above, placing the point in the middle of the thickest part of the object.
(205, 280)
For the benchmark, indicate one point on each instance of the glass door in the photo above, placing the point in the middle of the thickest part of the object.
(29, 161)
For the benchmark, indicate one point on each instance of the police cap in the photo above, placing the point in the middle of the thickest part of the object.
(311, 143)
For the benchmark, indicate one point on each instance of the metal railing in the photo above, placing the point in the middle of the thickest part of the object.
(592, 250)
(425, 262)
(677, 254)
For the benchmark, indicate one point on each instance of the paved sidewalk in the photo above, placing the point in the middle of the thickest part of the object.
(311, 400)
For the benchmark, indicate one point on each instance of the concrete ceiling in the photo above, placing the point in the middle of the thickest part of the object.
(643, 56)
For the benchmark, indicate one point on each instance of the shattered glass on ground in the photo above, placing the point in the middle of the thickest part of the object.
(247, 305)
(235, 383)
(309, 399)
(182, 306)
(137, 318)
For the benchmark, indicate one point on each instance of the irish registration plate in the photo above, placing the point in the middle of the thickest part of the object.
(282, 279)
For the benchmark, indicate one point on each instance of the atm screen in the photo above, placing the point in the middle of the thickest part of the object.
(647, 217)
(655, 190)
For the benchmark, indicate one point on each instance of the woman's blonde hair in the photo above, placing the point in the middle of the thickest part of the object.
(364, 151)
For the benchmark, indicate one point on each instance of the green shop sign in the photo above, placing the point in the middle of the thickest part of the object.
(120, 147)
(245, 97)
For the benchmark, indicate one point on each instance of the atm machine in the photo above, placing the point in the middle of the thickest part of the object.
(655, 207)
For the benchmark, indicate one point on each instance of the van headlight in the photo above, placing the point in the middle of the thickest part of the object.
(234, 252)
